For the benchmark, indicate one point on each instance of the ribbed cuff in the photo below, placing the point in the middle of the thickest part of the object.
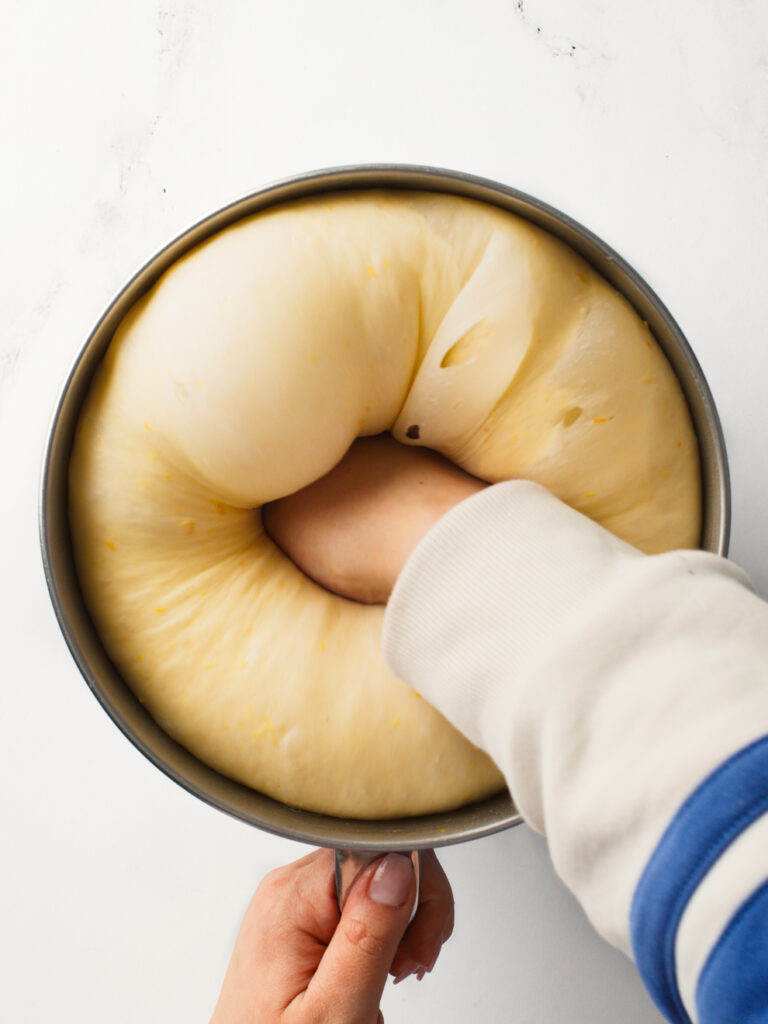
(490, 585)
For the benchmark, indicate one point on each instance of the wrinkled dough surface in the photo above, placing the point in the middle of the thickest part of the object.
(247, 372)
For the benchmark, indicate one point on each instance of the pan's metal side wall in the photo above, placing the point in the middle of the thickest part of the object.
(466, 823)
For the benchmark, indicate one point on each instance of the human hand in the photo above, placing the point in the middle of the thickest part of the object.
(352, 530)
(297, 960)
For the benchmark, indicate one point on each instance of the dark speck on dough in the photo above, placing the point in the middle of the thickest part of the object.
(413, 432)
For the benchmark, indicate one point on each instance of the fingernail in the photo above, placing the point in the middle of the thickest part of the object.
(420, 974)
(391, 881)
(402, 977)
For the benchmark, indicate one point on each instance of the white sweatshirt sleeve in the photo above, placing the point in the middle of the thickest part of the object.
(625, 698)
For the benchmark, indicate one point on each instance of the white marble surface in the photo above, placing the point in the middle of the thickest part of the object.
(121, 124)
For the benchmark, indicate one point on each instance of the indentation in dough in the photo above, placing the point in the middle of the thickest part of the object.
(469, 346)
(571, 415)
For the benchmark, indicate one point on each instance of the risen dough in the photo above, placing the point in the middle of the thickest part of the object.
(247, 372)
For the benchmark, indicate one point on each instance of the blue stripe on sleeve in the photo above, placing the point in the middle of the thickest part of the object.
(733, 986)
(716, 813)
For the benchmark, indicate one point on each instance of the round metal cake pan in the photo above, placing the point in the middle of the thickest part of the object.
(480, 819)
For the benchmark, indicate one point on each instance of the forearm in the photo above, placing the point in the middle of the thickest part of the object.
(606, 684)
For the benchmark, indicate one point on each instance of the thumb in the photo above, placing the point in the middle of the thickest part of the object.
(354, 967)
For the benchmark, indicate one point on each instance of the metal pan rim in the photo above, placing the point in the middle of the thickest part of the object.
(435, 830)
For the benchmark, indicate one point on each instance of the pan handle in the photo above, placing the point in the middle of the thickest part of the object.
(349, 864)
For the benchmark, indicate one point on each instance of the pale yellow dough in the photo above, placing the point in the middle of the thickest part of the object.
(248, 371)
